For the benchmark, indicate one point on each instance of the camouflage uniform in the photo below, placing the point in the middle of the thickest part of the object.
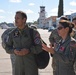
(18, 39)
(64, 57)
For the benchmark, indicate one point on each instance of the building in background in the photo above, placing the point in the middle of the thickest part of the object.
(42, 17)
(44, 22)
(50, 21)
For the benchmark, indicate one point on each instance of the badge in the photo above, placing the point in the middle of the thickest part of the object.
(37, 40)
(16, 34)
(61, 48)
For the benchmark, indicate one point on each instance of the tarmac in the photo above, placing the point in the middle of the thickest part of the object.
(5, 62)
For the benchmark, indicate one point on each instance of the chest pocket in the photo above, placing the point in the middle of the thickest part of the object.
(21, 40)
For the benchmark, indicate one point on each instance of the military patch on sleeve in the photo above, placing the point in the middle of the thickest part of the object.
(37, 41)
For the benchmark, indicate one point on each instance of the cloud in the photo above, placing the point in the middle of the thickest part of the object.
(70, 11)
(1, 17)
(2, 11)
(9, 12)
(53, 12)
(73, 3)
(28, 11)
(15, 1)
(31, 4)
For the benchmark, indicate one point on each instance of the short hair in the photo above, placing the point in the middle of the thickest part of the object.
(74, 19)
(22, 13)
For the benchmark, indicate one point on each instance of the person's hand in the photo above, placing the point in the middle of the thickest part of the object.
(50, 45)
(21, 52)
(16, 52)
(48, 49)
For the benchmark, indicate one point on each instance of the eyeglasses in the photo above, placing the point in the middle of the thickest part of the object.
(59, 28)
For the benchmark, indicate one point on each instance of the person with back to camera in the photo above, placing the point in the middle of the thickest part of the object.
(19, 43)
(64, 52)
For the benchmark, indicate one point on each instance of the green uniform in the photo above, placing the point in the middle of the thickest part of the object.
(18, 39)
(74, 36)
(4, 38)
(54, 37)
(64, 57)
(12, 57)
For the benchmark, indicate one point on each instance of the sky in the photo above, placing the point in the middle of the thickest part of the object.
(8, 8)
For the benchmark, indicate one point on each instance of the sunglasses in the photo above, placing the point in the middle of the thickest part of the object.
(59, 28)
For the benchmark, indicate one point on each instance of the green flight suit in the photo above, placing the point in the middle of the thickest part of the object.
(18, 39)
(54, 38)
(74, 36)
(64, 57)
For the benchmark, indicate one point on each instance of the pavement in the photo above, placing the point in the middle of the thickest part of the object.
(5, 62)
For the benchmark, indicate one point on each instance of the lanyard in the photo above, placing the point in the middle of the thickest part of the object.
(60, 45)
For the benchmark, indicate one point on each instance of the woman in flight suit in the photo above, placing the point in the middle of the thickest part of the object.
(64, 52)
